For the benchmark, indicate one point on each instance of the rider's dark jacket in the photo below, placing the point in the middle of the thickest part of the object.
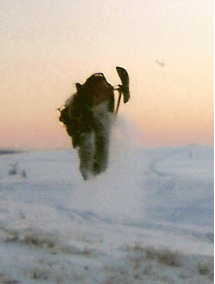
(77, 114)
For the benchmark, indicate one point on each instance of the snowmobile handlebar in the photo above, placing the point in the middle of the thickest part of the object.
(124, 87)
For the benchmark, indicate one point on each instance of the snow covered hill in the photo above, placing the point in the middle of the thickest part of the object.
(148, 219)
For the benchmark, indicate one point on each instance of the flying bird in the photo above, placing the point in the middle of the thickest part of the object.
(160, 63)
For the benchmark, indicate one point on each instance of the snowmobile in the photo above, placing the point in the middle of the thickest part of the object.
(88, 116)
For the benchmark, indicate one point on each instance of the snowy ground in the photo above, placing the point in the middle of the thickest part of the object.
(148, 219)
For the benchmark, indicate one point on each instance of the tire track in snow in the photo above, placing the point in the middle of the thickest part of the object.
(154, 164)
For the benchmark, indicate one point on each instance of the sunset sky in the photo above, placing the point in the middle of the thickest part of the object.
(48, 45)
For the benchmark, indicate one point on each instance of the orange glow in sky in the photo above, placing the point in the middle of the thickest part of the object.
(49, 45)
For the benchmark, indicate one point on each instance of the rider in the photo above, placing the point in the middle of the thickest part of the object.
(87, 116)
(77, 114)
